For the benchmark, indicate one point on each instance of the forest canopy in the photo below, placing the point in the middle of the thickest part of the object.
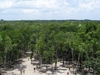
(68, 40)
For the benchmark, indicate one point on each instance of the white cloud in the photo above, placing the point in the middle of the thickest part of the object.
(39, 5)
(49, 7)
(5, 4)
(34, 11)
(86, 6)
(89, 5)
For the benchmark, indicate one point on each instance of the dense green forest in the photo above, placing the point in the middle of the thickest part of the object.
(52, 40)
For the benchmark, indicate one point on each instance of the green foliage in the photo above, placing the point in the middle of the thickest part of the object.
(52, 40)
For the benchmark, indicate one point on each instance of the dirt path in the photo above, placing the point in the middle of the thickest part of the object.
(29, 69)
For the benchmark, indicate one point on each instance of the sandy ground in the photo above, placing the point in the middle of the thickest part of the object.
(29, 69)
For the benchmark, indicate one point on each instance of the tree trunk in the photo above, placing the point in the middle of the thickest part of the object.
(78, 61)
(55, 64)
(72, 54)
(89, 70)
(72, 57)
(63, 61)
(40, 61)
(93, 71)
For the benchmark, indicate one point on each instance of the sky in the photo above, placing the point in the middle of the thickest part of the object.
(49, 9)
